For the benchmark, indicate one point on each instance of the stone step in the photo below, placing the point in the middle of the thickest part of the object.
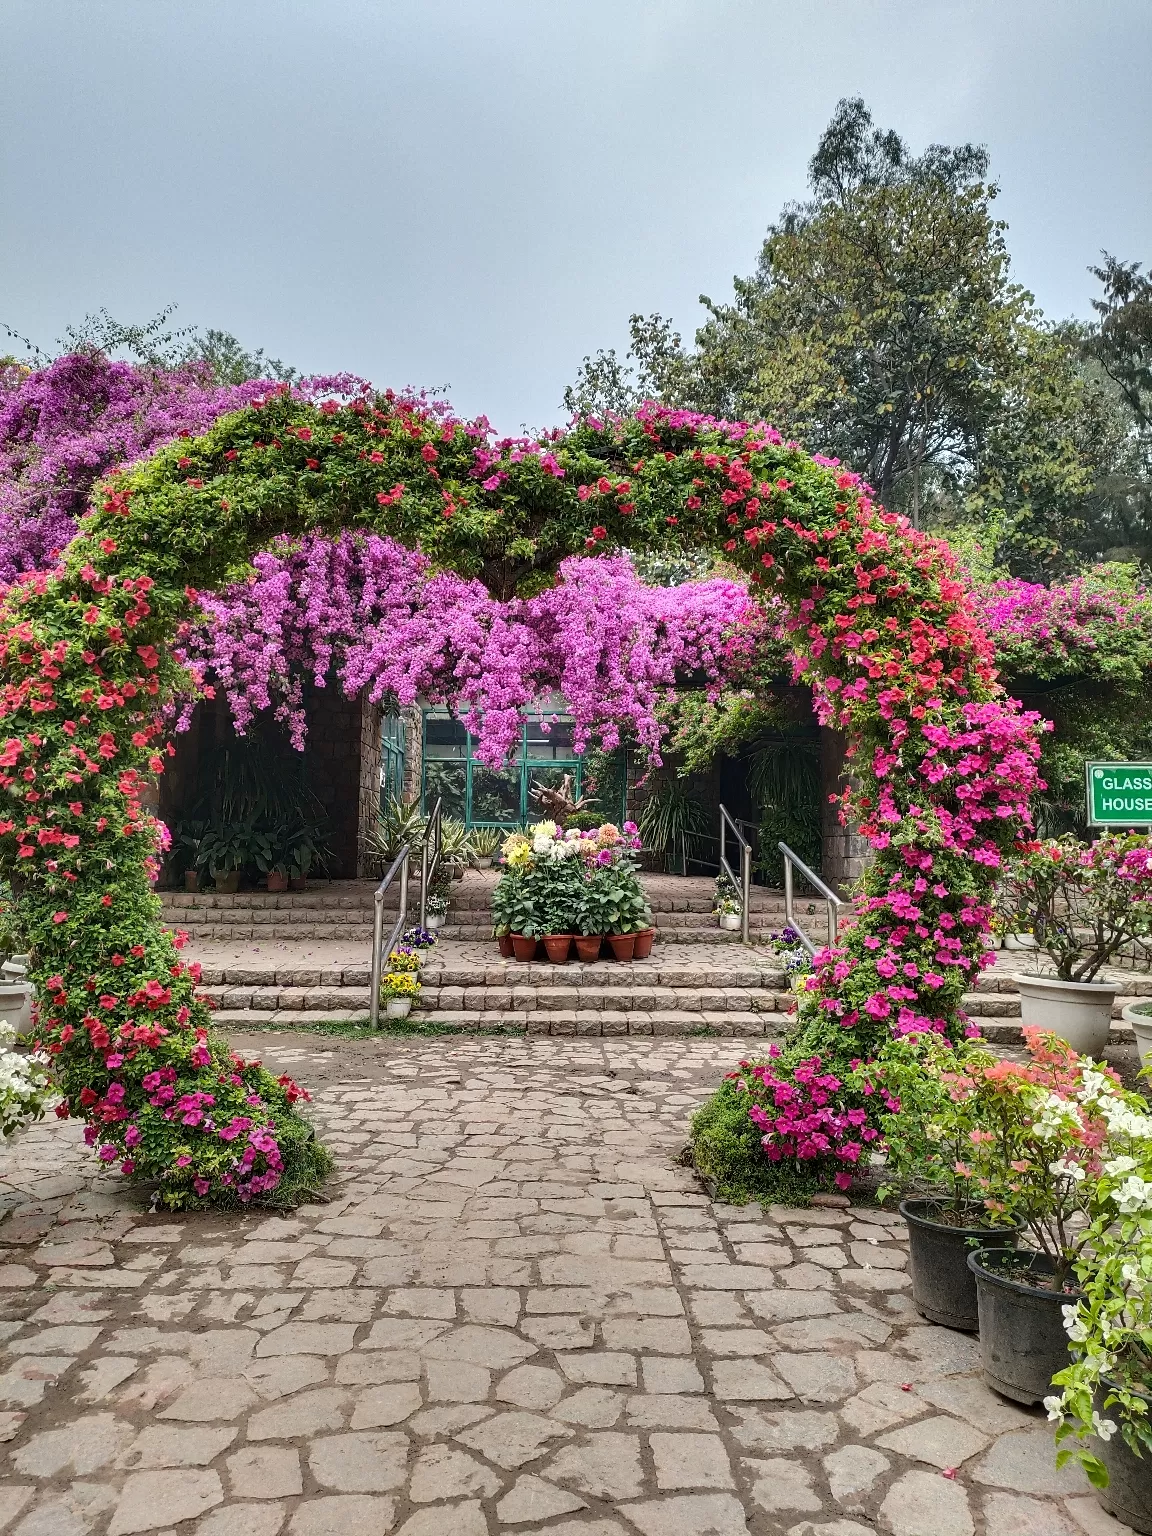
(560, 1022)
(637, 998)
(1009, 1032)
(752, 972)
(361, 932)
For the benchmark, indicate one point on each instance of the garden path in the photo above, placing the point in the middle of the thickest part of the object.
(516, 1313)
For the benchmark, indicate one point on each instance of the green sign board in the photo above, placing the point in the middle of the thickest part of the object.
(1119, 794)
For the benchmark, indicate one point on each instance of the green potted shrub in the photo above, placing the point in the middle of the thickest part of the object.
(228, 847)
(504, 904)
(1082, 903)
(936, 1098)
(1105, 1401)
(484, 842)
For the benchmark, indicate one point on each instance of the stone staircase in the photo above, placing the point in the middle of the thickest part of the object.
(302, 958)
(712, 989)
(341, 910)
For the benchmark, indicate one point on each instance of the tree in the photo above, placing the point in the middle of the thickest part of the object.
(882, 327)
(156, 344)
(1122, 342)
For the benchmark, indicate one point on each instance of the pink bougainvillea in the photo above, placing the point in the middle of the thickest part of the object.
(378, 618)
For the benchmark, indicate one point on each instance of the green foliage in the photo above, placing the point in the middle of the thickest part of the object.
(670, 818)
(612, 900)
(726, 1150)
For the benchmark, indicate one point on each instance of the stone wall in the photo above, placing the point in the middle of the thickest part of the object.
(844, 851)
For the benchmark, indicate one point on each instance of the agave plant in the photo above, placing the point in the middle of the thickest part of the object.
(401, 825)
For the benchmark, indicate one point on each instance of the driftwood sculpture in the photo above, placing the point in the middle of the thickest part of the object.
(558, 804)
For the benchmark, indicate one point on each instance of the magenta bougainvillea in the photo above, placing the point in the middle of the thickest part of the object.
(881, 624)
(63, 426)
(380, 619)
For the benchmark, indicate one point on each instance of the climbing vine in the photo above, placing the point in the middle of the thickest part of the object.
(880, 622)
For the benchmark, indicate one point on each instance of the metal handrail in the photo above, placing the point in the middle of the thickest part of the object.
(429, 866)
(744, 884)
(399, 864)
(834, 902)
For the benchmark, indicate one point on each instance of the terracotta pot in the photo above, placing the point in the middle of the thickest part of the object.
(558, 946)
(191, 879)
(588, 946)
(298, 883)
(623, 945)
(505, 942)
(643, 943)
(523, 946)
(276, 881)
(226, 881)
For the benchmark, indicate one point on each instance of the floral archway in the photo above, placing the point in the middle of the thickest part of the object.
(881, 625)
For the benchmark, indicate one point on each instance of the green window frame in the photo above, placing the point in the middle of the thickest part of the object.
(486, 797)
(393, 754)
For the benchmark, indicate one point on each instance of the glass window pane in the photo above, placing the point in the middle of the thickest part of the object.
(550, 740)
(495, 796)
(444, 737)
(550, 778)
(446, 780)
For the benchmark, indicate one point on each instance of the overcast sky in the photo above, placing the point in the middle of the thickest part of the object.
(475, 193)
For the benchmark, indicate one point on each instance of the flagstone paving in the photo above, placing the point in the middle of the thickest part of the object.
(516, 1313)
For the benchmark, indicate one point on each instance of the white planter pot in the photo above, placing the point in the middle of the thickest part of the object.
(1019, 941)
(399, 1007)
(1080, 1012)
(730, 921)
(16, 1005)
(434, 922)
(1142, 1024)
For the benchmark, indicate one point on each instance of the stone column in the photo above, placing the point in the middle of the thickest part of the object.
(844, 851)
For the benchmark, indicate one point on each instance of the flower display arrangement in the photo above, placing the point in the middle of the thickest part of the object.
(559, 885)
(880, 622)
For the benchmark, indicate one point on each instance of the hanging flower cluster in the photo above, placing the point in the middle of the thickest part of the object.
(377, 617)
(881, 624)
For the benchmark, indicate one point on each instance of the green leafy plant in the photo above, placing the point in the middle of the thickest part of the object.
(400, 825)
(670, 818)
(484, 841)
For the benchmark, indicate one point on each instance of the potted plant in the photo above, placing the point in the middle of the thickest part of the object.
(1082, 903)
(418, 939)
(1105, 1404)
(187, 837)
(437, 911)
(399, 989)
(1054, 1123)
(559, 881)
(631, 914)
(1139, 1015)
(485, 841)
(227, 847)
(936, 1097)
(503, 903)
(727, 906)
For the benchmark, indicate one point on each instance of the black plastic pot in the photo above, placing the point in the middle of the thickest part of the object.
(943, 1287)
(1128, 1495)
(1022, 1338)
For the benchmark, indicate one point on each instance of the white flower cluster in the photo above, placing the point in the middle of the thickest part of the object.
(24, 1087)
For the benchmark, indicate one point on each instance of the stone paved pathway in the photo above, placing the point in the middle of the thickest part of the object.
(516, 1314)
